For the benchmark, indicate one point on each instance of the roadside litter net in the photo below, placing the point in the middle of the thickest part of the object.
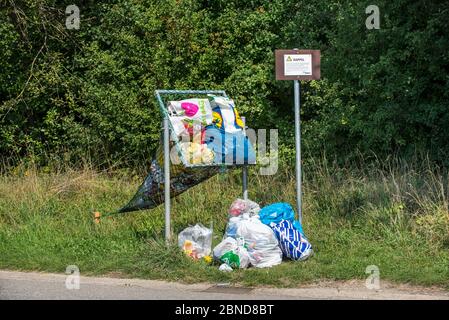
(206, 134)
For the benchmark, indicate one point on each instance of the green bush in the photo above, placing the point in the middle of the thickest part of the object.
(88, 93)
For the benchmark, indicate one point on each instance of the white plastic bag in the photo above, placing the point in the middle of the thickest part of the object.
(225, 245)
(224, 267)
(196, 241)
(231, 227)
(230, 119)
(260, 240)
(192, 109)
(232, 252)
(178, 126)
(243, 256)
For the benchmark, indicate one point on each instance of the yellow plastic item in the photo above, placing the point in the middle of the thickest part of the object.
(197, 153)
(189, 249)
(97, 216)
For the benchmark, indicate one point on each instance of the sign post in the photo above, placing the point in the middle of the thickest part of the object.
(298, 65)
(167, 178)
(296, 89)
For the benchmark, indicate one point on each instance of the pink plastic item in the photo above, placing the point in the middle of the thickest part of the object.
(237, 207)
(190, 108)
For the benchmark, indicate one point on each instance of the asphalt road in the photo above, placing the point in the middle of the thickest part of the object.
(44, 286)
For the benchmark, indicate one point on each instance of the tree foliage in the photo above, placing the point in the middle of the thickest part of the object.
(89, 93)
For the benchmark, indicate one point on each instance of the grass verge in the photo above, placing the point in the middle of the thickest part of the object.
(395, 218)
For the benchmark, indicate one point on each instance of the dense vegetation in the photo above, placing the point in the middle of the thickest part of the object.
(72, 94)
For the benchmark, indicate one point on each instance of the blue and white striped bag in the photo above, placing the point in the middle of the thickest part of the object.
(293, 245)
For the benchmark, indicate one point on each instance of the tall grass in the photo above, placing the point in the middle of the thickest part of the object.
(391, 214)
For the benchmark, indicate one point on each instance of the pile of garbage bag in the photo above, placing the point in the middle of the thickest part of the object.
(253, 237)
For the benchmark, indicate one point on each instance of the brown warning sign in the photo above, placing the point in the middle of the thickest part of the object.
(298, 64)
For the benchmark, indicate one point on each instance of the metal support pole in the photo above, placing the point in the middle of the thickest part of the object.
(298, 148)
(167, 179)
(244, 168)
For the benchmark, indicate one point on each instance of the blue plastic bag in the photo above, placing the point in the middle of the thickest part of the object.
(292, 243)
(277, 212)
(229, 148)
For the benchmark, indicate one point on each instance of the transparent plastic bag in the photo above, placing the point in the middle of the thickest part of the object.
(240, 206)
(196, 241)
